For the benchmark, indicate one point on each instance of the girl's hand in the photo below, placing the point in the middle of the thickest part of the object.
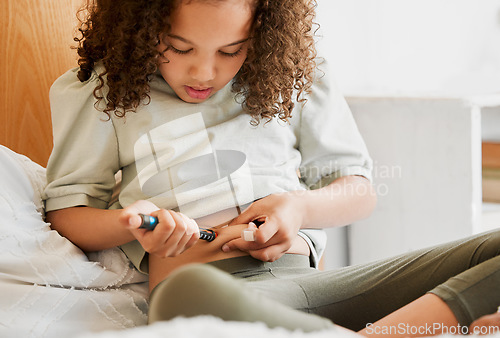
(174, 233)
(282, 215)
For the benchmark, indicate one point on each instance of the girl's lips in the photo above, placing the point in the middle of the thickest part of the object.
(200, 94)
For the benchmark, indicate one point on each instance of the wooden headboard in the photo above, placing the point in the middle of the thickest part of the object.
(35, 49)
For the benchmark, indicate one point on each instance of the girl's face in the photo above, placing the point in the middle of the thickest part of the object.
(207, 45)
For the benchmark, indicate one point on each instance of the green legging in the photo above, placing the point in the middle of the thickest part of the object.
(288, 293)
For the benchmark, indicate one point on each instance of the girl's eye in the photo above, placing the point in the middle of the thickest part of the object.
(231, 54)
(178, 51)
(183, 52)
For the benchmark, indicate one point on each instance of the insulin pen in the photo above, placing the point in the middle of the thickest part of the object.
(150, 222)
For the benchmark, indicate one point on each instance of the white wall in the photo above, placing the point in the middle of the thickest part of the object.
(438, 53)
(408, 47)
(427, 174)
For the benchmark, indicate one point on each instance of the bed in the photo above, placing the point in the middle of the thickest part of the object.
(49, 287)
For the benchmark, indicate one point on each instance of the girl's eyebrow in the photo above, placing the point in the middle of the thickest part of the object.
(237, 42)
(189, 42)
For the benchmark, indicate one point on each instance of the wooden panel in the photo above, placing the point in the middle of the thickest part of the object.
(35, 42)
(491, 155)
(491, 189)
(491, 172)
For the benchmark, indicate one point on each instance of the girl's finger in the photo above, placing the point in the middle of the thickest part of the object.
(192, 226)
(248, 234)
(166, 222)
(154, 241)
(189, 237)
(243, 218)
(249, 246)
(253, 212)
(240, 244)
(179, 228)
(270, 253)
(130, 220)
(266, 231)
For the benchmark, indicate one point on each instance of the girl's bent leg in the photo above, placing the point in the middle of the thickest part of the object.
(355, 296)
(473, 293)
(351, 297)
(204, 290)
(450, 307)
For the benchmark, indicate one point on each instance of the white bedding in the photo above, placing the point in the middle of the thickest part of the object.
(50, 288)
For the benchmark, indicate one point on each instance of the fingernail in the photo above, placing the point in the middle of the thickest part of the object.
(225, 248)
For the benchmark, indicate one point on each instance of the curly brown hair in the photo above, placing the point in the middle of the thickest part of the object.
(124, 35)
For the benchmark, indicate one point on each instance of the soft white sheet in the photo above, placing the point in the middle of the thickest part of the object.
(211, 327)
(48, 286)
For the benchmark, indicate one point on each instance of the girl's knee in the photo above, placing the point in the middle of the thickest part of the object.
(190, 291)
(489, 246)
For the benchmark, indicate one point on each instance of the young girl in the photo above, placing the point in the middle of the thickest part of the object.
(216, 116)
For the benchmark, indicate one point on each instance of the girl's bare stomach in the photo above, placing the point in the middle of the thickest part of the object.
(204, 252)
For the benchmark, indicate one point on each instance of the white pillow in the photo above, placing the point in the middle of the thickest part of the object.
(33, 172)
(49, 286)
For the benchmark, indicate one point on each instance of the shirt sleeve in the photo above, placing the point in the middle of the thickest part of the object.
(316, 240)
(329, 140)
(84, 159)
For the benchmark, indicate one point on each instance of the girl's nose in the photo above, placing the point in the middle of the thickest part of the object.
(203, 70)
